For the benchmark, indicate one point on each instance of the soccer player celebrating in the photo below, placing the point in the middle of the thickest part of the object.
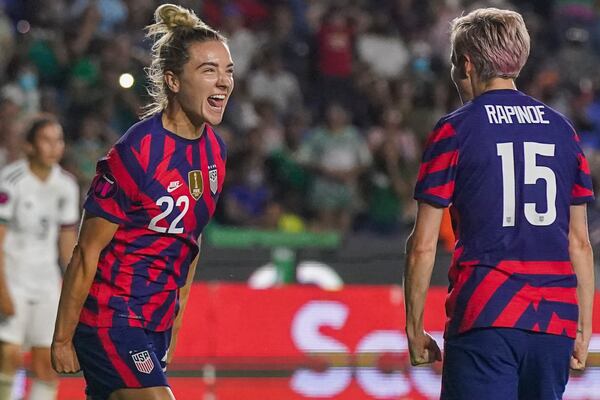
(39, 210)
(517, 182)
(127, 284)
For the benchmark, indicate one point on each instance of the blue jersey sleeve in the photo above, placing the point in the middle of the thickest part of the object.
(437, 174)
(115, 187)
(582, 191)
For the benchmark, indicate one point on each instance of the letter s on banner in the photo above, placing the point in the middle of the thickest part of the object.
(306, 336)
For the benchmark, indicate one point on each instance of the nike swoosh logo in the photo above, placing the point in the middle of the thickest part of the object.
(172, 188)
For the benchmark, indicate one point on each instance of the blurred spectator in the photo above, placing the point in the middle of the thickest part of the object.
(272, 133)
(248, 196)
(241, 111)
(271, 82)
(12, 125)
(288, 37)
(335, 54)
(22, 88)
(396, 154)
(290, 180)
(7, 41)
(94, 139)
(382, 49)
(112, 13)
(337, 154)
(371, 95)
(255, 11)
(242, 41)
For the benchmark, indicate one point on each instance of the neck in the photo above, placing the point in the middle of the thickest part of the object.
(176, 120)
(493, 84)
(40, 170)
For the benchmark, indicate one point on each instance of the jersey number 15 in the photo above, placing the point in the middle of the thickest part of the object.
(533, 172)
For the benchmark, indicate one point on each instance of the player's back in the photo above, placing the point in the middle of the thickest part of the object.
(517, 173)
(511, 168)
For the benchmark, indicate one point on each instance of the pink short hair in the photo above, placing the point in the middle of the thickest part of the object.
(496, 41)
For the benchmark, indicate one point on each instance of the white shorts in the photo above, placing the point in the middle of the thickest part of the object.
(33, 322)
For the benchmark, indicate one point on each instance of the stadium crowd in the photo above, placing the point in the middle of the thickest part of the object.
(333, 99)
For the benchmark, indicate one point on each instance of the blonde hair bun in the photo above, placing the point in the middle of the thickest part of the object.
(174, 16)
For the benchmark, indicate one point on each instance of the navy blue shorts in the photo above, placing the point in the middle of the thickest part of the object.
(505, 364)
(122, 357)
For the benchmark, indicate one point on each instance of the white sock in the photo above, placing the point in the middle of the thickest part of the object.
(20, 380)
(43, 390)
(6, 384)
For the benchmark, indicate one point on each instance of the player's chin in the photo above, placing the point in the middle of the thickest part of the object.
(214, 115)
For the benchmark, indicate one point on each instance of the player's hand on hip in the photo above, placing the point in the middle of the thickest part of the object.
(580, 352)
(423, 349)
(64, 358)
(7, 307)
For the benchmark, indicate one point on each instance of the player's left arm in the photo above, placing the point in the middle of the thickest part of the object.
(67, 237)
(582, 258)
(184, 293)
(420, 258)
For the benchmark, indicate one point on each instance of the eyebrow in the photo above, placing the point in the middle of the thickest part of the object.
(213, 64)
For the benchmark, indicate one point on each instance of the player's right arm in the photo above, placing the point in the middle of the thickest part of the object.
(95, 235)
(434, 192)
(582, 258)
(420, 258)
(7, 308)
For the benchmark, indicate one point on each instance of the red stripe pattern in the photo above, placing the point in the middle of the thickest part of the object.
(439, 163)
(436, 178)
(546, 297)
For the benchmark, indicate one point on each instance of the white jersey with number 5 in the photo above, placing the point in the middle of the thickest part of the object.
(33, 212)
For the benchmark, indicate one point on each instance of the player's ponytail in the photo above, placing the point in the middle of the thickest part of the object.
(175, 28)
(173, 16)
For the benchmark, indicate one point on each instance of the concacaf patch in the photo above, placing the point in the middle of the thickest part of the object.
(143, 361)
(4, 197)
(105, 186)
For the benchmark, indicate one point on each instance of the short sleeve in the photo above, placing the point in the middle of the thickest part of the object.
(69, 204)
(437, 174)
(7, 201)
(582, 190)
(115, 187)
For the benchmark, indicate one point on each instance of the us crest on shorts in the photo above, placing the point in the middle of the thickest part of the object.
(213, 178)
(195, 183)
(143, 361)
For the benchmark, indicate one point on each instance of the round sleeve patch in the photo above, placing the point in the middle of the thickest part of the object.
(105, 186)
(4, 197)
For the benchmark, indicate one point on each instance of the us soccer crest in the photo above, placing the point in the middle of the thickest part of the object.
(213, 178)
(143, 361)
(195, 183)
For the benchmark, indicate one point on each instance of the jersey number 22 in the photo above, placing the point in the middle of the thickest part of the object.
(168, 200)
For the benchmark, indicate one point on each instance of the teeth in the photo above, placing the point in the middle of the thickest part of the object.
(218, 97)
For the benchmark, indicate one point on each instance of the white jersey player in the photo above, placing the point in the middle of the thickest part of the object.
(39, 211)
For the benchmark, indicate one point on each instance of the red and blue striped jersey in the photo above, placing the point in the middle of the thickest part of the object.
(509, 167)
(161, 189)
